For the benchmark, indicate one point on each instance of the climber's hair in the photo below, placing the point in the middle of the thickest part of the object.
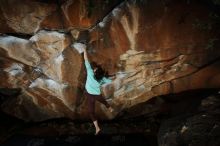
(100, 72)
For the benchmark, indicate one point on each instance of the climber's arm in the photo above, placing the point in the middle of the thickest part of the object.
(85, 55)
(87, 64)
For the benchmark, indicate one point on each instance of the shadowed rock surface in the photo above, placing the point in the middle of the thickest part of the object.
(200, 128)
(182, 119)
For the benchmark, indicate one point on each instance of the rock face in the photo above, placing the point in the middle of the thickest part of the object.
(201, 128)
(23, 16)
(154, 48)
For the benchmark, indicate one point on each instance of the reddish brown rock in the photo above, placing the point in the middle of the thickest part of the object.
(86, 13)
(164, 42)
(153, 47)
(53, 21)
(23, 16)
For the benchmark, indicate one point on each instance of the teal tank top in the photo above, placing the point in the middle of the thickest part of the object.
(92, 85)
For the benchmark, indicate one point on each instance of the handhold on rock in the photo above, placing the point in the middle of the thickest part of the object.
(79, 47)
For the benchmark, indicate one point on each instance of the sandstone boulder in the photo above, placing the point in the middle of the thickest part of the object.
(153, 47)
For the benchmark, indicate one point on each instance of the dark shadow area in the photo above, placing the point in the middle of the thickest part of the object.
(79, 140)
(136, 126)
(6, 93)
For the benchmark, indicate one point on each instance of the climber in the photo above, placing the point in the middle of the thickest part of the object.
(95, 78)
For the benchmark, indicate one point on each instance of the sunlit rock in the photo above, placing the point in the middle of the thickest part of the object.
(20, 49)
(50, 45)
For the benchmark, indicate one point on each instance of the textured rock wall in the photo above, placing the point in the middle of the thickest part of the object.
(154, 47)
(194, 128)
